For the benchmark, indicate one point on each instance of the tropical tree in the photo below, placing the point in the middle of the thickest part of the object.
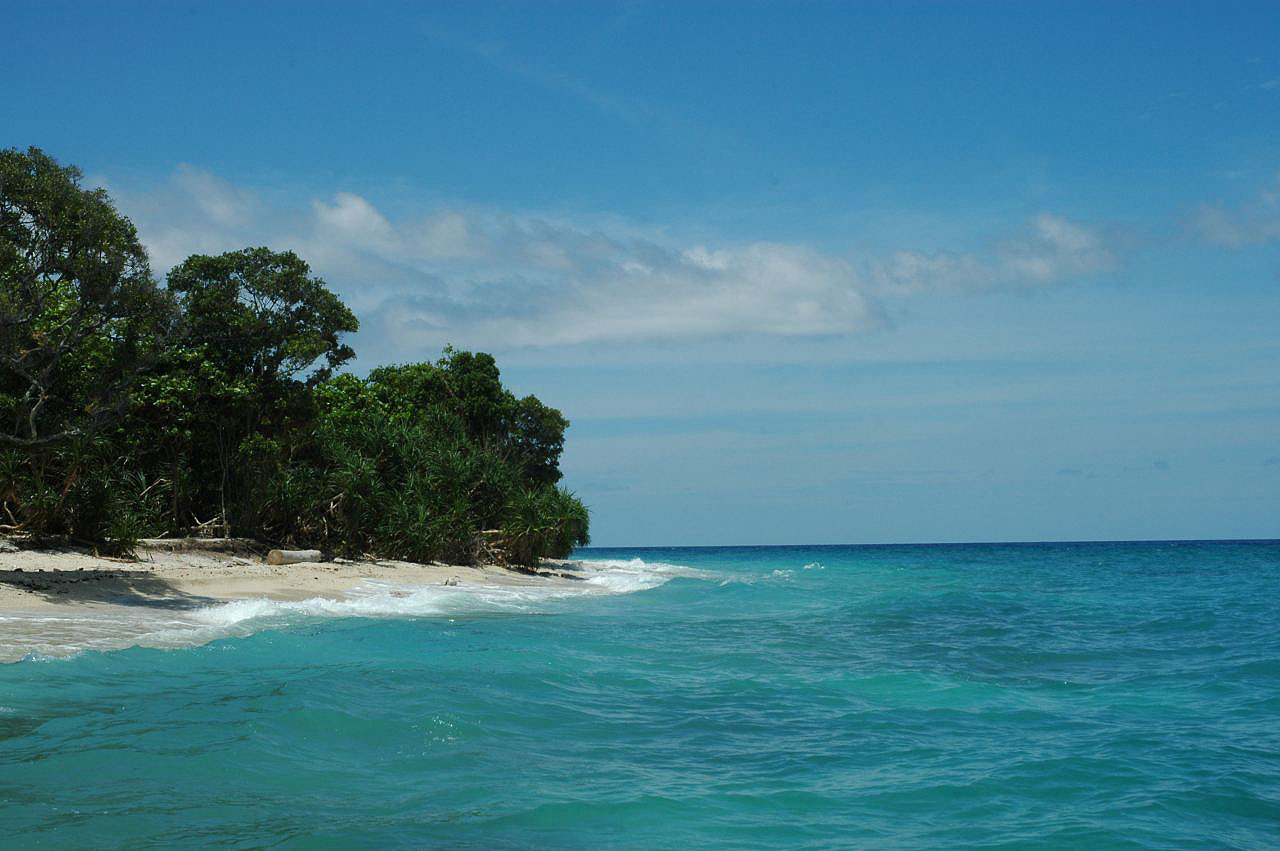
(261, 317)
(468, 385)
(256, 332)
(79, 310)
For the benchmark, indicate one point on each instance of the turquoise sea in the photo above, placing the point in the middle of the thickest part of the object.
(1092, 695)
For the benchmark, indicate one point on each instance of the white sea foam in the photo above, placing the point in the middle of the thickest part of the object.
(618, 576)
(40, 635)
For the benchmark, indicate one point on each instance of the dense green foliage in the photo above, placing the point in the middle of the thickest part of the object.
(212, 405)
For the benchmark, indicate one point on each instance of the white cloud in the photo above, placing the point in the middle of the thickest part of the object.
(908, 273)
(193, 212)
(486, 278)
(224, 204)
(442, 235)
(352, 219)
(1050, 250)
(1053, 250)
(581, 288)
(1236, 226)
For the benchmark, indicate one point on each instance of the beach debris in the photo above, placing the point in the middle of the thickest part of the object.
(237, 546)
(294, 556)
(452, 580)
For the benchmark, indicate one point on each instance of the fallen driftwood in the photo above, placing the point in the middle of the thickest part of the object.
(293, 556)
(238, 546)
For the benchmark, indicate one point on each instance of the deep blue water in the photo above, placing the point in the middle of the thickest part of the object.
(1114, 695)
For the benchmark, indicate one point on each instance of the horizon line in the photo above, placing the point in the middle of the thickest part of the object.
(942, 543)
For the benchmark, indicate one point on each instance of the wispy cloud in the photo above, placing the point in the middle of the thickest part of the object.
(1049, 250)
(493, 278)
(632, 111)
(1239, 225)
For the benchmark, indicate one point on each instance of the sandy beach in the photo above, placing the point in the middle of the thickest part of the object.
(56, 603)
(173, 575)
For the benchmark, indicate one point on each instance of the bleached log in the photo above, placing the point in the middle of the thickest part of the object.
(293, 556)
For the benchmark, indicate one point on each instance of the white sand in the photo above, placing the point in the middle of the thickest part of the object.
(63, 581)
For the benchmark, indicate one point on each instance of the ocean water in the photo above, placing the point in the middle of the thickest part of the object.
(1117, 695)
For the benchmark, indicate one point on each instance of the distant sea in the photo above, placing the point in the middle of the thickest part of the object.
(1091, 695)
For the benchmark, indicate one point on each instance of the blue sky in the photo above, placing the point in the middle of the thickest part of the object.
(797, 272)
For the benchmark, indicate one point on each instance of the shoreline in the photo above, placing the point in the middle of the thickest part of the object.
(165, 576)
(57, 603)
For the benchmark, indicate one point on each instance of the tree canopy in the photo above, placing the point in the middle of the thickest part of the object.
(261, 316)
(216, 404)
(78, 306)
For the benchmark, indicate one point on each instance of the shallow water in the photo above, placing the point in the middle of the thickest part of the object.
(1054, 695)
